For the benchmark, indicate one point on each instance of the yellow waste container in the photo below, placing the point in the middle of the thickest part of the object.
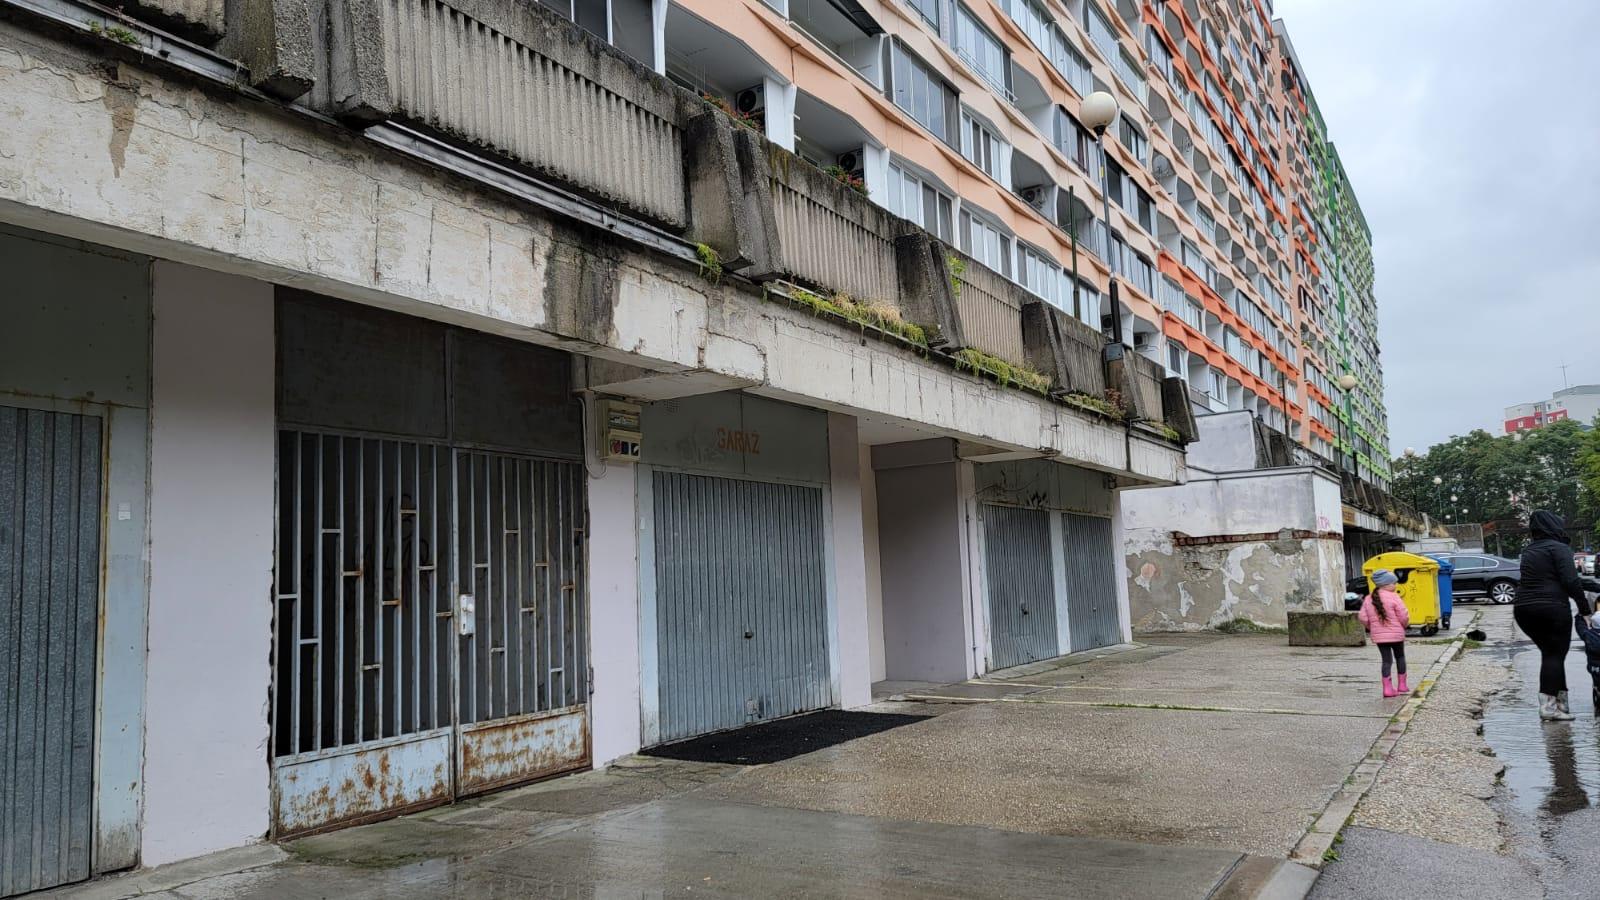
(1418, 587)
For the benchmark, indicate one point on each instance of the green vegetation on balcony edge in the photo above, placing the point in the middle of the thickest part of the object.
(1006, 373)
(863, 313)
(1098, 404)
(958, 267)
(710, 263)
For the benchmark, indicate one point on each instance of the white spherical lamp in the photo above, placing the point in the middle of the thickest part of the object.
(1347, 381)
(1098, 111)
(1411, 453)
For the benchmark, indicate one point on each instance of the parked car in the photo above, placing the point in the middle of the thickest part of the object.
(1494, 578)
(1585, 563)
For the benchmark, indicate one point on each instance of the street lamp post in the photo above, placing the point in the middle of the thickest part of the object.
(1099, 111)
(1437, 481)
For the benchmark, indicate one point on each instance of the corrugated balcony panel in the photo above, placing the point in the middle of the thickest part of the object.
(469, 79)
(831, 242)
(991, 312)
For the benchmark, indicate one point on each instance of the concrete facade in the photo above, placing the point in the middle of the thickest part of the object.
(154, 258)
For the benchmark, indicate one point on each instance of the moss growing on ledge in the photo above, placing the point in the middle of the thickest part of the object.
(1098, 404)
(863, 313)
(710, 263)
(978, 362)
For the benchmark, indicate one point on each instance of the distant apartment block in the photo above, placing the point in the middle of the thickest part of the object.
(1580, 403)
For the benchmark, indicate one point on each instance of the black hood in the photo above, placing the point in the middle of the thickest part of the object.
(1547, 526)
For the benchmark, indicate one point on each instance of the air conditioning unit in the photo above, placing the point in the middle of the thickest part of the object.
(853, 162)
(751, 100)
(1036, 196)
(1143, 340)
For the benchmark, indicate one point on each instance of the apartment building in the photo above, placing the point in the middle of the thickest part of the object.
(410, 402)
(1579, 403)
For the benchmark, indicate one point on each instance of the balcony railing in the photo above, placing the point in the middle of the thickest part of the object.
(990, 306)
(832, 237)
(500, 83)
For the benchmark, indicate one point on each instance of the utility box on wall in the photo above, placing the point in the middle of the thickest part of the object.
(619, 431)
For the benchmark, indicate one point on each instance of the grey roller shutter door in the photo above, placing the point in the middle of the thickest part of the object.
(1021, 584)
(1091, 582)
(50, 502)
(741, 602)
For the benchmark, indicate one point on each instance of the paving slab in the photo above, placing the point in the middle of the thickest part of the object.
(1248, 781)
(1386, 864)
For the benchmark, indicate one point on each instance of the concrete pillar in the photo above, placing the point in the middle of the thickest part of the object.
(780, 97)
(613, 607)
(922, 548)
(1120, 563)
(869, 537)
(212, 450)
(852, 608)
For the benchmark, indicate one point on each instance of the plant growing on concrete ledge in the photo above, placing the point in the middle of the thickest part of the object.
(1168, 432)
(1099, 404)
(114, 32)
(748, 120)
(1007, 374)
(710, 263)
(958, 267)
(869, 313)
(853, 182)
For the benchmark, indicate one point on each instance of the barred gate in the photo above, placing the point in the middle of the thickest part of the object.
(429, 625)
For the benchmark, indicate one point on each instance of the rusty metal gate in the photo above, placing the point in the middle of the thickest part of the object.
(50, 517)
(1021, 585)
(741, 602)
(1091, 581)
(430, 625)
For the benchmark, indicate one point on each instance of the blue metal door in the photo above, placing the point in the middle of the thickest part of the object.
(741, 602)
(50, 502)
(1020, 574)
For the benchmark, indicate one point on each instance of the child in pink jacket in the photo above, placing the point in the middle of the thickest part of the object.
(1384, 616)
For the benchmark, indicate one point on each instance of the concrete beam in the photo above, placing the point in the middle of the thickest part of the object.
(622, 380)
(273, 38)
(730, 195)
(927, 295)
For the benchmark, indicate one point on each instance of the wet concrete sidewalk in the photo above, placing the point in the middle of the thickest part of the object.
(1186, 766)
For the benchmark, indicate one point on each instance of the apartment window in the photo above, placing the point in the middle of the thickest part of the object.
(1037, 272)
(1133, 139)
(1077, 143)
(982, 50)
(985, 242)
(1101, 32)
(911, 197)
(1088, 304)
(921, 93)
(929, 10)
(1037, 24)
(983, 147)
(1177, 360)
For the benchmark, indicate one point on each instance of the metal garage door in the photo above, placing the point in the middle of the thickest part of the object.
(430, 625)
(1091, 582)
(741, 602)
(1022, 595)
(50, 470)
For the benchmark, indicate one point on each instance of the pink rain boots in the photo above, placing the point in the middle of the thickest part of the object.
(1402, 688)
(1388, 688)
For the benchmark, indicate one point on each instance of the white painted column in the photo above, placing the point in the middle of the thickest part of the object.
(780, 97)
(212, 450)
(849, 562)
(658, 29)
(869, 535)
(875, 171)
(1119, 565)
(613, 611)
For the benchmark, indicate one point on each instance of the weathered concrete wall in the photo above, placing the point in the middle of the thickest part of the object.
(850, 642)
(613, 608)
(1227, 442)
(1252, 545)
(213, 439)
(174, 171)
(869, 537)
(76, 338)
(922, 550)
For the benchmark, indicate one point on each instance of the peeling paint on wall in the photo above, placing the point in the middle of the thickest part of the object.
(1183, 588)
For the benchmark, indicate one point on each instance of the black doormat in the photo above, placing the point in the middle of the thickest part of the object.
(772, 742)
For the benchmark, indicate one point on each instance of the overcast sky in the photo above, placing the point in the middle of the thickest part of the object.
(1471, 131)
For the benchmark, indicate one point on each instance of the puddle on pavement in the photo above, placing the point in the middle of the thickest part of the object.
(1552, 768)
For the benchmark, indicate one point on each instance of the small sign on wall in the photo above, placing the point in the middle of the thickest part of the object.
(619, 431)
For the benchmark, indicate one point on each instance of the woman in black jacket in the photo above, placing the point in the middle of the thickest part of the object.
(1549, 579)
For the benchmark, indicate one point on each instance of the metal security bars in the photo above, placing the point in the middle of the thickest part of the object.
(421, 587)
(362, 624)
(519, 543)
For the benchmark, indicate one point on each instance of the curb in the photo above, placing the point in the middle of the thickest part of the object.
(1319, 839)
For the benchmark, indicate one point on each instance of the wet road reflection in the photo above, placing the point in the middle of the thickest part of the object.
(1552, 768)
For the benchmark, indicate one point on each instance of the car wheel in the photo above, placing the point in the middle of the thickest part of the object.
(1503, 592)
